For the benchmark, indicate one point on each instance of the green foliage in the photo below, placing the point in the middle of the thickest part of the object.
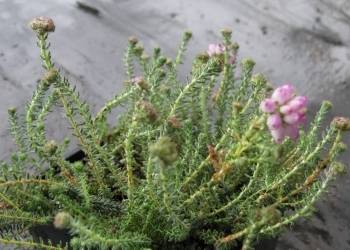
(179, 166)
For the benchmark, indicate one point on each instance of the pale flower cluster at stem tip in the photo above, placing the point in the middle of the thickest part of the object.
(215, 49)
(218, 50)
(286, 113)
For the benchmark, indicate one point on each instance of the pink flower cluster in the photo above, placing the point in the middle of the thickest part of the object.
(215, 49)
(219, 49)
(136, 79)
(286, 113)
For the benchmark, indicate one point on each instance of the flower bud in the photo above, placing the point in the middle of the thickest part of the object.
(78, 167)
(41, 126)
(248, 64)
(50, 76)
(234, 46)
(237, 106)
(144, 56)
(226, 32)
(338, 168)
(156, 52)
(4, 205)
(270, 215)
(138, 50)
(66, 141)
(257, 126)
(232, 59)
(265, 198)
(327, 105)
(50, 147)
(341, 123)
(22, 156)
(62, 220)
(140, 81)
(133, 40)
(203, 58)
(342, 147)
(149, 109)
(169, 63)
(12, 111)
(259, 80)
(163, 88)
(187, 35)
(161, 61)
(42, 24)
(165, 149)
(162, 74)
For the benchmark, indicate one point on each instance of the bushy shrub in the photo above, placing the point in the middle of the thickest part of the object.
(221, 160)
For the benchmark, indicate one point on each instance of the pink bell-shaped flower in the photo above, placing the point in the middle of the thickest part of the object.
(292, 131)
(298, 102)
(291, 118)
(283, 94)
(274, 121)
(268, 105)
(278, 134)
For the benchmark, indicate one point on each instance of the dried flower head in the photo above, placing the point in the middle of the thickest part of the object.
(62, 220)
(42, 24)
(149, 109)
(341, 123)
(174, 122)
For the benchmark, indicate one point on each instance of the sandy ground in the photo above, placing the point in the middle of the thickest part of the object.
(303, 42)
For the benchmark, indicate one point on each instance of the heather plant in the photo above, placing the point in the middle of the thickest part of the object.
(222, 160)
